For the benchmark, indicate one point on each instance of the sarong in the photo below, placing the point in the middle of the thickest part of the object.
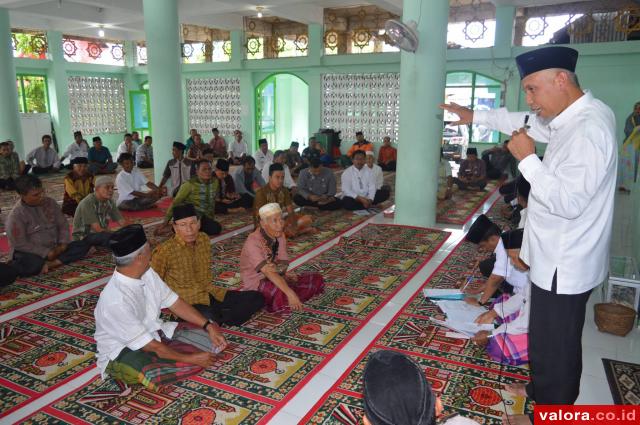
(509, 349)
(307, 286)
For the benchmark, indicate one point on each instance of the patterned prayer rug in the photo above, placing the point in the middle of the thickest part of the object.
(269, 358)
(624, 381)
(463, 204)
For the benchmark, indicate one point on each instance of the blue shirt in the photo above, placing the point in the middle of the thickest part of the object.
(101, 156)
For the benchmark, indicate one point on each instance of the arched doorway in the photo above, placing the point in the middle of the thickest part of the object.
(282, 110)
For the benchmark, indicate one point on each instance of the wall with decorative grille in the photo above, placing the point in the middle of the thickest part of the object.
(96, 104)
(214, 102)
(362, 102)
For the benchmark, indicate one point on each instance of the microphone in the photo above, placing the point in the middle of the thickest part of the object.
(526, 121)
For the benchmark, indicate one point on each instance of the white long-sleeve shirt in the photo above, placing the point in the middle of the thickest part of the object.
(376, 170)
(262, 159)
(75, 150)
(517, 303)
(570, 208)
(358, 183)
(504, 267)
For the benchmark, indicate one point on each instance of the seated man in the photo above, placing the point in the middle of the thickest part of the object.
(9, 167)
(247, 179)
(275, 192)
(179, 170)
(200, 191)
(38, 232)
(191, 138)
(280, 157)
(43, 159)
(294, 160)
(396, 391)
(91, 221)
(218, 145)
(499, 162)
(317, 188)
(445, 179)
(184, 264)
(127, 146)
(131, 185)
(100, 159)
(264, 262)
(207, 154)
(314, 150)
(134, 345)
(388, 155)
(358, 185)
(361, 144)
(263, 156)
(503, 275)
(16, 157)
(228, 200)
(144, 153)
(472, 173)
(238, 149)
(508, 342)
(383, 191)
(78, 149)
(78, 183)
(194, 153)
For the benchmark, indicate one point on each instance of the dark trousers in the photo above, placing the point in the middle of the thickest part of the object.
(236, 308)
(69, 207)
(245, 201)
(145, 164)
(8, 274)
(28, 264)
(555, 345)
(210, 226)
(382, 195)
(42, 170)
(7, 184)
(331, 206)
(100, 239)
(480, 184)
(390, 166)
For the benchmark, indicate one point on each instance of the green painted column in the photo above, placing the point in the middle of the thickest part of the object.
(59, 91)
(9, 116)
(237, 48)
(316, 46)
(422, 83)
(505, 19)
(164, 68)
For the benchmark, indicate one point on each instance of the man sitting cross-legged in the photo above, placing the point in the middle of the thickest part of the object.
(247, 179)
(317, 187)
(134, 345)
(178, 170)
(78, 184)
(274, 191)
(100, 159)
(472, 173)
(504, 276)
(184, 263)
(359, 185)
(264, 262)
(200, 191)
(508, 342)
(91, 222)
(228, 200)
(383, 191)
(38, 232)
(131, 184)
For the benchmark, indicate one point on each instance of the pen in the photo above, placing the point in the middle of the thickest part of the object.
(526, 121)
(469, 280)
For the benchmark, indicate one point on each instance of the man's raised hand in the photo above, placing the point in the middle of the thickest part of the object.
(465, 115)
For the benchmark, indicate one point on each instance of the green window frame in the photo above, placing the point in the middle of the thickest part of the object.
(25, 105)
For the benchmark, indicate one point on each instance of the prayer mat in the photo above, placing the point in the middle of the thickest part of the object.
(624, 381)
(36, 359)
(463, 204)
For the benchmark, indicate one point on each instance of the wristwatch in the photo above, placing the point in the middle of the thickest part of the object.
(207, 323)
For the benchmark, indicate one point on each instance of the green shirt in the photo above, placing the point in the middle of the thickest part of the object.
(91, 211)
(9, 167)
(198, 193)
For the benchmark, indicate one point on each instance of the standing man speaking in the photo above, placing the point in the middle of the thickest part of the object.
(570, 212)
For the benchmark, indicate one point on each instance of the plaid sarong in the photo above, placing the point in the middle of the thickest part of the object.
(307, 286)
(502, 298)
(149, 370)
(509, 349)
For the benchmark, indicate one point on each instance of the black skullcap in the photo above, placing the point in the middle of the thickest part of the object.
(183, 211)
(472, 151)
(222, 164)
(547, 58)
(215, 129)
(127, 240)
(314, 161)
(179, 146)
(523, 187)
(295, 144)
(79, 160)
(478, 229)
(512, 239)
(359, 133)
(262, 141)
(396, 391)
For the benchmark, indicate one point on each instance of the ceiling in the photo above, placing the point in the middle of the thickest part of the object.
(123, 19)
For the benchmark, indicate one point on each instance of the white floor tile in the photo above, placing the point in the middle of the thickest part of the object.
(285, 418)
(594, 391)
(592, 360)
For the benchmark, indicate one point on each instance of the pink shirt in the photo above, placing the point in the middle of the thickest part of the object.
(256, 252)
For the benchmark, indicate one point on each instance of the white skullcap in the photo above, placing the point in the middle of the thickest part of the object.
(103, 180)
(369, 153)
(269, 209)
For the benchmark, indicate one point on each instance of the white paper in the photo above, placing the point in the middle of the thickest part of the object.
(465, 328)
(441, 293)
(460, 311)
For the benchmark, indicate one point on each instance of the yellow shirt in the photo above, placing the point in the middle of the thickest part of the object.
(187, 269)
(77, 188)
